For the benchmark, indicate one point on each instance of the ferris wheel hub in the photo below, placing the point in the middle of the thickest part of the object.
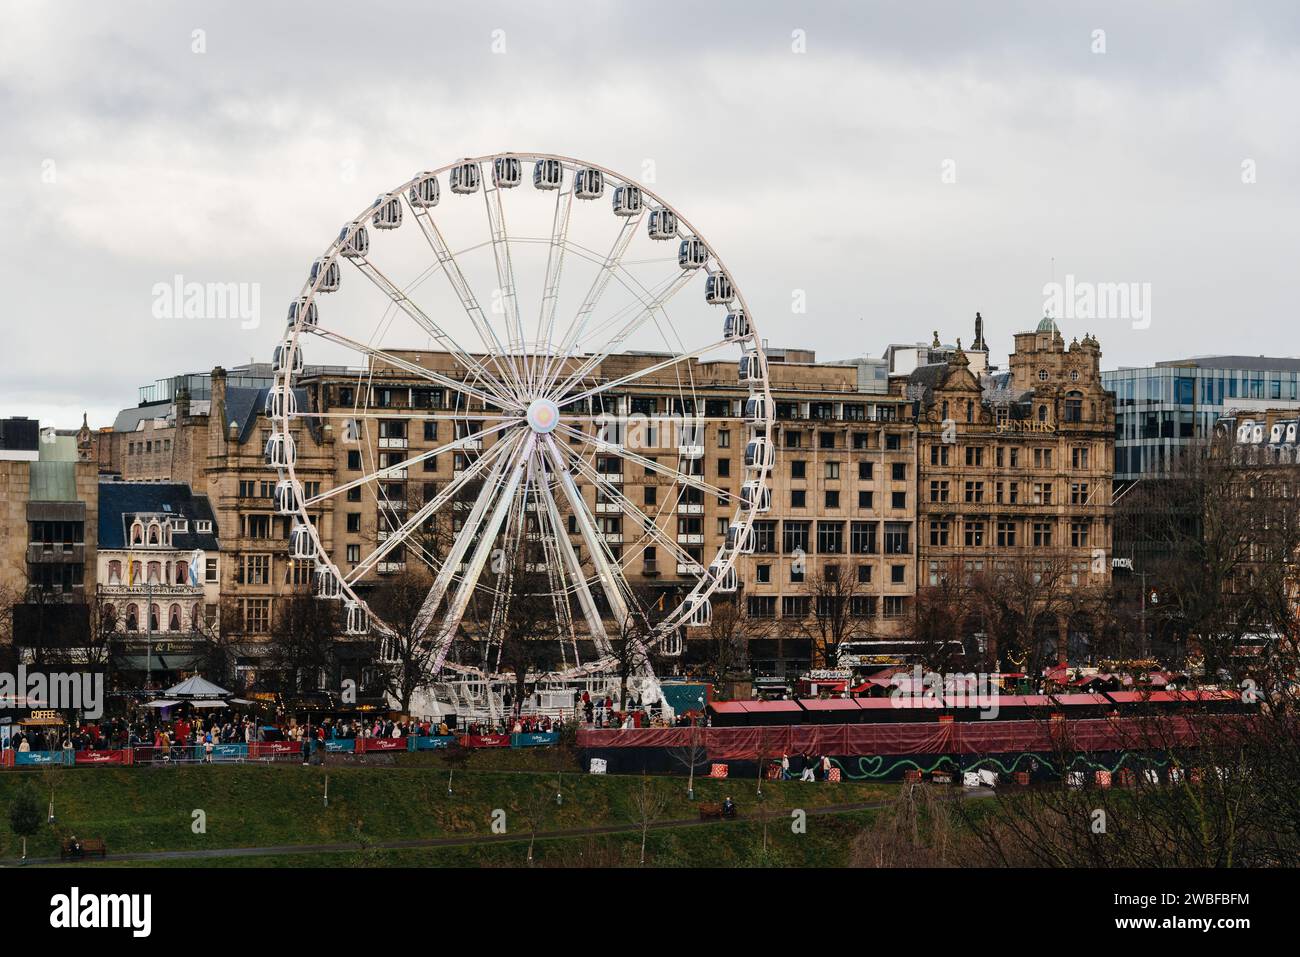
(543, 415)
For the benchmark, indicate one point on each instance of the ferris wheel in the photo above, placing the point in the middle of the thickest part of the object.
(554, 338)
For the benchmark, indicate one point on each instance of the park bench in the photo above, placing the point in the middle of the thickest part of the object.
(90, 847)
(716, 811)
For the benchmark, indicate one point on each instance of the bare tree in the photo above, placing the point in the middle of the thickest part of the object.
(407, 646)
(833, 616)
(942, 612)
(304, 643)
(1021, 597)
(650, 802)
(916, 832)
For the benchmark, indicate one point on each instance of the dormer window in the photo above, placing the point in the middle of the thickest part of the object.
(180, 525)
(203, 527)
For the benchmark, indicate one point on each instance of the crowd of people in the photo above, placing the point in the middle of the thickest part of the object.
(192, 727)
(603, 712)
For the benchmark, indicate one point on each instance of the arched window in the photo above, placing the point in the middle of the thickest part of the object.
(155, 573)
(181, 576)
(153, 535)
(132, 618)
(174, 618)
(153, 617)
(1074, 407)
(1042, 413)
(970, 410)
(135, 572)
(137, 534)
(945, 410)
(115, 572)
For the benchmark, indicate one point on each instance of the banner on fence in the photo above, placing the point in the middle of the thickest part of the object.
(115, 756)
(430, 742)
(381, 744)
(485, 740)
(43, 757)
(534, 739)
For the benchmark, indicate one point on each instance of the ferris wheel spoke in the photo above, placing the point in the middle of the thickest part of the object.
(426, 511)
(630, 509)
(416, 369)
(571, 565)
(650, 464)
(551, 288)
(487, 540)
(642, 373)
(598, 286)
(506, 279)
(392, 471)
(400, 299)
(465, 538)
(600, 355)
(451, 269)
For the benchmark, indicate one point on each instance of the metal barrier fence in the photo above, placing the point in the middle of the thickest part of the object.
(265, 751)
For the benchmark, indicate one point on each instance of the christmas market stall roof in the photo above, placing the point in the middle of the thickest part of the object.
(196, 687)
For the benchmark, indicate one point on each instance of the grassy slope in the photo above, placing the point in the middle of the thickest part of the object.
(139, 809)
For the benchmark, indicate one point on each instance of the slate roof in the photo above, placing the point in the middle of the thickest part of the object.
(119, 502)
(244, 406)
(128, 420)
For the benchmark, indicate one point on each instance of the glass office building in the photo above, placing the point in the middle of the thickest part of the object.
(1160, 408)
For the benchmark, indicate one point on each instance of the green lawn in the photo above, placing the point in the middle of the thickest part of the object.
(145, 809)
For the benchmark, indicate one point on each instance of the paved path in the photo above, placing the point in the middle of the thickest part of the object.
(468, 839)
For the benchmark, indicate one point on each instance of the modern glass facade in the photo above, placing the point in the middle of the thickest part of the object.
(1160, 408)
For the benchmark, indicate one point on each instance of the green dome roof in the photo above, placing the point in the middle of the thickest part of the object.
(1048, 324)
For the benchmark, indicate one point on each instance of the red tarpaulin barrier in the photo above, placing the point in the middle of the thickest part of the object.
(103, 757)
(963, 737)
(381, 744)
(498, 740)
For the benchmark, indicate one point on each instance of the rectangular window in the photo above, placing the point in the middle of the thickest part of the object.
(866, 471)
(832, 470)
(866, 500)
(939, 533)
(830, 538)
(794, 537)
(862, 538)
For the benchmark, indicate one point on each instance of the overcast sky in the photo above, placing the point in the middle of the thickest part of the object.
(915, 163)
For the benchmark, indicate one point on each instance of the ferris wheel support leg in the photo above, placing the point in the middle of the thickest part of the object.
(589, 609)
(458, 549)
(608, 576)
(487, 540)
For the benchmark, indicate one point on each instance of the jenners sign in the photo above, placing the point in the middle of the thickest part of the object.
(1026, 425)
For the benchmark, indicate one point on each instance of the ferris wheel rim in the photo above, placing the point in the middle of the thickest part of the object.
(725, 559)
